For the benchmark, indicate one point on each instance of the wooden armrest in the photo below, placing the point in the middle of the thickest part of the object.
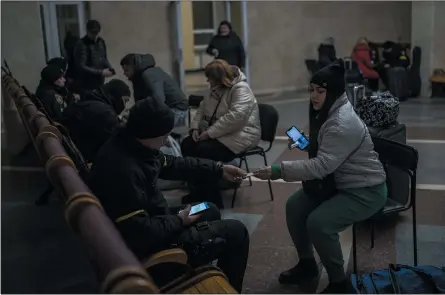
(175, 255)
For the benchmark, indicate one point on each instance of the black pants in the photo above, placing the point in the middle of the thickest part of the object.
(232, 258)
(207, 149)
(383, 73)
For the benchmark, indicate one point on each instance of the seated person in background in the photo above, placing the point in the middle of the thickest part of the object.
(227, 121)
(124, 176)
(93, 120)
(361, 54)
(152, 82)
(343, 182)
(52, 91)
(326, 52)
(69, 83)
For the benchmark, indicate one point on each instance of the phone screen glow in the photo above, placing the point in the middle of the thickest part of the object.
(297, 137)
(198, 208)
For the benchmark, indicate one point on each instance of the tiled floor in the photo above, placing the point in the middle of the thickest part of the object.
(41, 255)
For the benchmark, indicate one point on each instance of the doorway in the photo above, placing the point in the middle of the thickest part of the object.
(59, 20)
(196, 24)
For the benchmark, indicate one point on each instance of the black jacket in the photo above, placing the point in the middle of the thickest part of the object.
(124, 177)
(152, 81)
(326, 54)
(54, 99)
(90, 59)
(230, 48)
(92, 121)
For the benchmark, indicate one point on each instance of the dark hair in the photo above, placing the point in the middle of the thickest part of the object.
(128, 60)
(221, 72)
(93, 26)
(224, 22)
(58, 61)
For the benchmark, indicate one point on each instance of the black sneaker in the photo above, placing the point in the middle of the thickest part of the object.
(343, 287)
(306, 269)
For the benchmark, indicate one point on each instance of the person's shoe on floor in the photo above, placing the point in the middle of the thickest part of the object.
(306, 269)
(342, 287)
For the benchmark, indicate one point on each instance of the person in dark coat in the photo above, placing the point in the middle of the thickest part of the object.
(326, 53)
(124, 177)
(93, 120)
(152, 82)
(52, 92)
(228, 46)
(90, 58)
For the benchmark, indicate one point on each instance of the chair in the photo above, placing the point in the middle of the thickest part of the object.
(405, 159)
(269, 122)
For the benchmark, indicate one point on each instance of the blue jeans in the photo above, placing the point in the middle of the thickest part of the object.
(181, 117)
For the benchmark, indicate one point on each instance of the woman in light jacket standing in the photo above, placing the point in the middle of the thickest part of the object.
(227, 121)
(343, 181)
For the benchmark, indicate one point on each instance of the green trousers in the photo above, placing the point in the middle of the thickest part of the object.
(315, 223)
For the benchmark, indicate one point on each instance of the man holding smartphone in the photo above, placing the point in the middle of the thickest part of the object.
(124, 177)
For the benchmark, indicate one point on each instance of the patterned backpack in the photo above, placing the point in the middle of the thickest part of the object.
(379, 110)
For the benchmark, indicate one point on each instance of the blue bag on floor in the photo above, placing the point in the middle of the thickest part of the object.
(401, 279)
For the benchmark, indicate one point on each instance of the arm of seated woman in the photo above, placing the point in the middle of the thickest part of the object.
(335, 147)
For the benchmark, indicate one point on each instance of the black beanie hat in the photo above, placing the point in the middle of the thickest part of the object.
(58, 61)
(332, 78)
(150, 119)
(51, 73)
(114, 91)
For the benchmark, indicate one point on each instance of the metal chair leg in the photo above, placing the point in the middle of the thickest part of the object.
(270, 184)
(354, 248)
(247, 169)
(415, 234)
(236, 189)
(372, 228)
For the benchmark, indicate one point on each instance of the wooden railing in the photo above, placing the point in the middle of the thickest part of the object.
(117, 269)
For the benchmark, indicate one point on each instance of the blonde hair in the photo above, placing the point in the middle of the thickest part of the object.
(362, 40)
(221, 72)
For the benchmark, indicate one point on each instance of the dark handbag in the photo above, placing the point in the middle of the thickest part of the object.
(401, 279)
(325, 188)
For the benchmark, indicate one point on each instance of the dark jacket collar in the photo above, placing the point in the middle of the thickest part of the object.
(135, 148)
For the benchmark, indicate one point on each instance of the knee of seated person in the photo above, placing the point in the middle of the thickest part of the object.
(236, 229)
(292, 203)
(316, 224)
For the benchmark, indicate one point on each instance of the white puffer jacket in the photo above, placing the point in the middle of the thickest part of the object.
(237, 120)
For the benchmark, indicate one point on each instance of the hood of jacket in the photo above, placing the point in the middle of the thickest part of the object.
(102, 95)
(241, 77)
(143, 62)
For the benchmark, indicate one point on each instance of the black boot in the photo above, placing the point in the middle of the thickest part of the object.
(342, 287)
(306, 269)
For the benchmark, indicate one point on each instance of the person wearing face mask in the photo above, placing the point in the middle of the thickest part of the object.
(124, 178)
(343, 181)
(90, 59)
(226, 45)
(52, 91)
(95, 117)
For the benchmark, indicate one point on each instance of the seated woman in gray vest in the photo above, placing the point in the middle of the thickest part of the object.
(343, 181)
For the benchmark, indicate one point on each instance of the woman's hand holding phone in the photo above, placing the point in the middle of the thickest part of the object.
(186, 218)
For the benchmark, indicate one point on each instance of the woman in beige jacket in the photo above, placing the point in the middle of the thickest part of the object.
(227, 122)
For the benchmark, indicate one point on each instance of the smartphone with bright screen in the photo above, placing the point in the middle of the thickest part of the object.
(196, 209)
(299, 139)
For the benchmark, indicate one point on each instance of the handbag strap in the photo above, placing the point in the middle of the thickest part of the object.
(220, 98)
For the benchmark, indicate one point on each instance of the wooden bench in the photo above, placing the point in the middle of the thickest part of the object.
(117, 269)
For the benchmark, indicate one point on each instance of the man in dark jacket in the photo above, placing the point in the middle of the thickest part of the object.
(90, 58)
(152, 82)
(124, 177)
(93, 120)
(52, 91)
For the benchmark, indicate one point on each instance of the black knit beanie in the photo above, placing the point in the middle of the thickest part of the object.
(150, 119)
(332, 78)
(51, 73)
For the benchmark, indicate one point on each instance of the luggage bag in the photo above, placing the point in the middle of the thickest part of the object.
(398, 82)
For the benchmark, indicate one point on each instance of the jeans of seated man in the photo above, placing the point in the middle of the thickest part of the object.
(232, 252)
(207, 149)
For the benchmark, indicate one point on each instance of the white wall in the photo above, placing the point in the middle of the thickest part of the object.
(22, 47)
